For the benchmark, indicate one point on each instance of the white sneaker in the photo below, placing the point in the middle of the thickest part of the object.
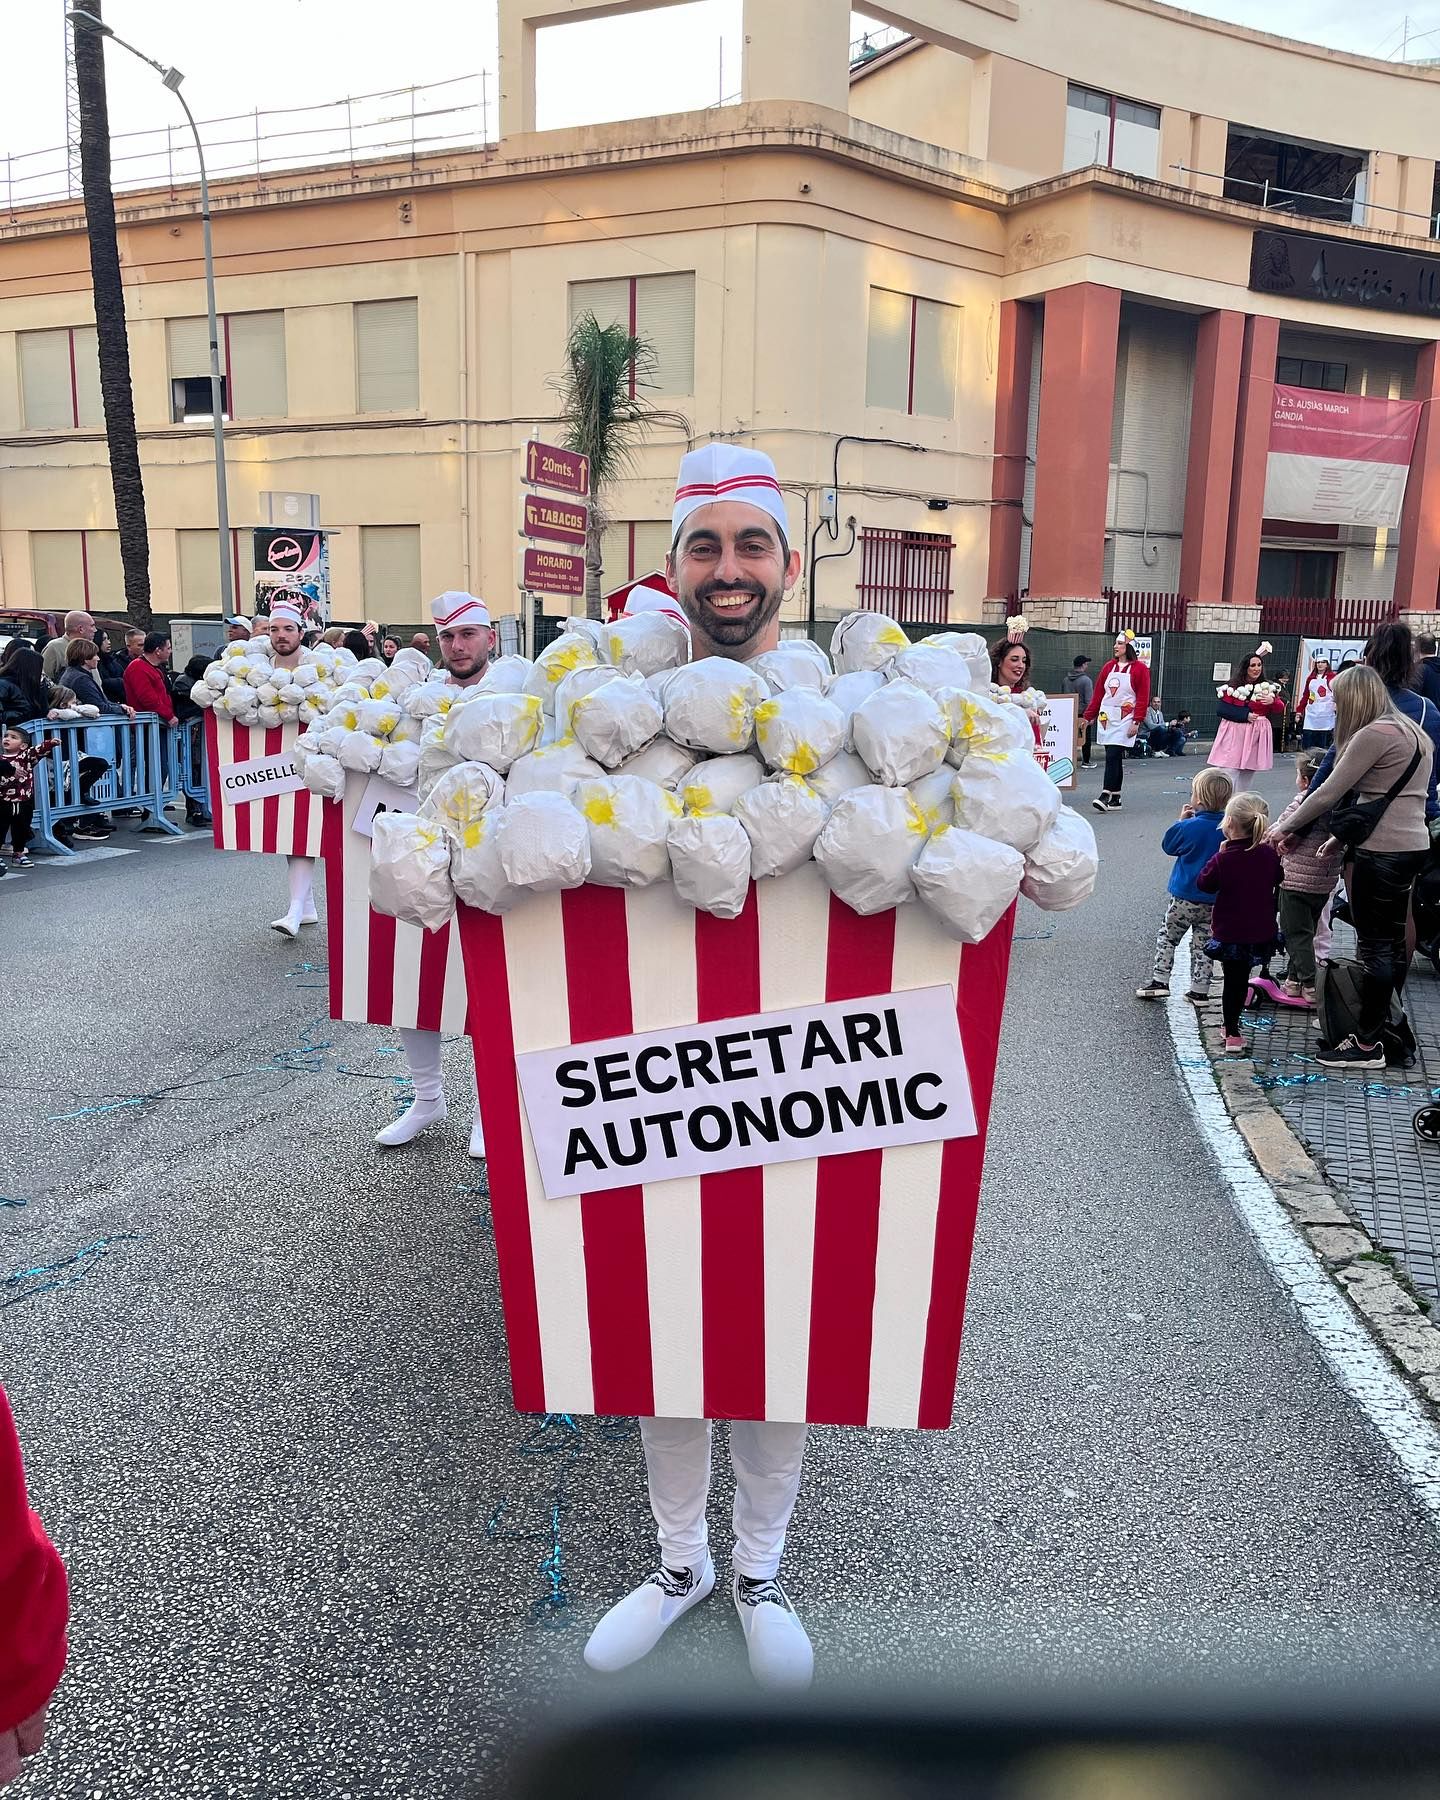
(416, 1116)
(635, 1625)
(477, 1138)
(779, 1648)
(289, 926)
(311, 917)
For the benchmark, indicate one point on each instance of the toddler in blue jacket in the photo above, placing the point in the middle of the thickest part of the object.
(1192, 840)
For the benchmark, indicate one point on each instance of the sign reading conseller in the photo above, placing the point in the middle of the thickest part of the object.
(735, 1093)
(1344, 273)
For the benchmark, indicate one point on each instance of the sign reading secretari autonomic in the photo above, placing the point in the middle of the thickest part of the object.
(735, 1093)
(243, 782)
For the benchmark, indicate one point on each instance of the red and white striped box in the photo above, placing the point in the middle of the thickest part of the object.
(275, 824)
(830, 1290)
(381, 971)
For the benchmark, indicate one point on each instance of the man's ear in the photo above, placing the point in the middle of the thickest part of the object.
(792, 570)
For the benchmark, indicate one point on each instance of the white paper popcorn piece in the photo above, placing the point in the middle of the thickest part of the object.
(1008, 798)
(930, 667)
(615, 721)
(629, 822)
(900, 733)
(494, 728)
(410, 870)
(552, 769)
(462, 795)
(782, 819)
(794, 663)
(645, 645)
(971, 647)
(560, 656)
(865, 640)
(932, 794)
(799, 731)
(967, 881)
(543, 843)
(664, 762)
(847, 691)
(710, 705)
(576, 683)
(869, 846)
(715, 785)
(506, 675)
(978, 722)
(841, 775)
(400, 763)
(710, 860)
(359, 751)
(1060, 871)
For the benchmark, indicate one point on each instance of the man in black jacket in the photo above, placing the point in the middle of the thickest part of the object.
(1427, 670)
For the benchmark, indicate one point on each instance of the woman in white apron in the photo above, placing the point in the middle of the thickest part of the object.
(1317, 707)
(1120, 701)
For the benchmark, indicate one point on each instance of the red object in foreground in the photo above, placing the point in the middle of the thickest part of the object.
(34, 1594)
(831, 1289)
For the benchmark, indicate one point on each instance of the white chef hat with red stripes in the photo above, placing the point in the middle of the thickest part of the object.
(727, 472)
(286, 611)
(454, 608)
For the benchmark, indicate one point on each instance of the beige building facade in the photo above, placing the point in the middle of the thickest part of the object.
(986, 295)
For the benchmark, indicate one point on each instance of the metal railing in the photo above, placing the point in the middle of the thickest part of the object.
(132, 773)
(408, 122)
(1273, 198)
(187, 768)
(1326, 615)
(1144, 612)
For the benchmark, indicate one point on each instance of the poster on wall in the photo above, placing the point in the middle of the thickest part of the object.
(294, 566)
(1338, 459)
(1337, 651)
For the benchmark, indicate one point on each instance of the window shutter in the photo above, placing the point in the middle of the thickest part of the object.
(199, 571)
(58, 571)
(257, 365)
(937, 359)
(608, 300)
(89, 407)
(887, 361)
(665, 318)
(189, 341)
(1087, 128)
(1137, 138)
(45, 379)
(615, 556)
(103, 570)
(387, 353)
(390, 570)
(652, 545)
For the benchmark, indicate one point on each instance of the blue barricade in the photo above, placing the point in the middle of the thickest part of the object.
(187, 769)
(135, 756)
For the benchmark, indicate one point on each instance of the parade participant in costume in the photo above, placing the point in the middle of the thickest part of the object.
(467, 643)
(1010, 671)
(1119, 703)
(731, 564)
(287, 643)
(1245, 738)
(1316, 706)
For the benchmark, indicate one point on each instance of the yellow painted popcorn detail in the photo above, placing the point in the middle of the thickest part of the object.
(562, 662)
(598, 806)
(914, 818)
(698, 798)
(892, 634)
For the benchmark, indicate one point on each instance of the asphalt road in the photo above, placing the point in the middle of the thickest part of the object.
(269, 1427)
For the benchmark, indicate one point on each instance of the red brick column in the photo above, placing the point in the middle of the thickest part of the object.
(1219, 344)
(1252, 450)
(1012, 415)
(1072, 451)
(1417, 568)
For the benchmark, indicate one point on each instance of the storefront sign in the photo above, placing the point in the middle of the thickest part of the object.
(768, 1088)
(554, 572)
(382, 796)
(1339, 458)
(293, 566)
(242, 782)
(546, 465)
(1344, 274)
(563, 521)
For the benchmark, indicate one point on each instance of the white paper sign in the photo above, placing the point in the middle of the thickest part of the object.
(1056, 752)
(382, 796)
(1220, 671)
(242, 782)
(736, 1093)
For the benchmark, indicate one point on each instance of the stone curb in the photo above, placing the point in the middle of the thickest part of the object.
(1362, 1271)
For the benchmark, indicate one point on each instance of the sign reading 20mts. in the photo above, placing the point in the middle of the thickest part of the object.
(547, 465)
(735, 1093)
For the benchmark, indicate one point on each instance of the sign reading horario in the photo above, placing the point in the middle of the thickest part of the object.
(769, 1088)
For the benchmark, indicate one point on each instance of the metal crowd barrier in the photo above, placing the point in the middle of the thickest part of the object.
(136, 754)
(187, 768)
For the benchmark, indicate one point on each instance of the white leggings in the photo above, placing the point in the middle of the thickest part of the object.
(302, 883)
(422, 1055)
(1241, 780)
(767, 1459)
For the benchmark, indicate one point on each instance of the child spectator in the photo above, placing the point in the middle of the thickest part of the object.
(1192, 840)
(1243, 875)
(18, 759)
(1312, 866)
(34, 1611)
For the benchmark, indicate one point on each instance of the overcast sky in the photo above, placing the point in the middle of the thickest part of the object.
(295, 53)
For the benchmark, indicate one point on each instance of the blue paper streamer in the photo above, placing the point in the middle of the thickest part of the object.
(10, 1200)
(46, 1277)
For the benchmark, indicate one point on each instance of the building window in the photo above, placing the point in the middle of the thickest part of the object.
(906, 574)
(1305, 371)
(1293, 175)
(390, 570)
(387, 355)
(79, 569)
(660, 309)
(60, 378)
(200, 570)
(633, 547)
(912, 362)
(252, 367)
(1117, 134)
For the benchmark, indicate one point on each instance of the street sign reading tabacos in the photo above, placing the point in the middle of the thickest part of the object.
(563, 520)
(554, 572)
(546, 465)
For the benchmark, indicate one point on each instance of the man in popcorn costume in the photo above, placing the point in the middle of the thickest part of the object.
(287, 643)
(730, 564)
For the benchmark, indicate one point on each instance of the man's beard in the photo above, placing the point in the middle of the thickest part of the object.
(465, 667)
(732, 629)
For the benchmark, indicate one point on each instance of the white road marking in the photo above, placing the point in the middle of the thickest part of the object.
(99, 854)
(1361, 1367)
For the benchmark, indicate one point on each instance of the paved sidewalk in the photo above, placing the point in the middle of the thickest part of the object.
(1359, 1131)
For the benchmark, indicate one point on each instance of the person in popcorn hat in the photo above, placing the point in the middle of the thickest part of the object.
(730, 565)
(1245, 738)
(467, 643)
(287, 642)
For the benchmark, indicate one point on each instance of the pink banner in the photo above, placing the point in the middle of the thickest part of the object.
(1339, 458)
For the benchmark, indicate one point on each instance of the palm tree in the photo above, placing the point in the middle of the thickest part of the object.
(111, 336)
(605, 416)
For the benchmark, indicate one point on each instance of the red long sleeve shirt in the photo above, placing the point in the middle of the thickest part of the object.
(146, 689)
(34, 1594)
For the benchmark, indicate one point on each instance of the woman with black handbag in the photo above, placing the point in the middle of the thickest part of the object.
(1375, 796)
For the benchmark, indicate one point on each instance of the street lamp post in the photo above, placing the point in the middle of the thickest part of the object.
(172, 78)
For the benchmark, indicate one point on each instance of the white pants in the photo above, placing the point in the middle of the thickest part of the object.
(301, 870)
(422, 1056)
(767, 1459)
